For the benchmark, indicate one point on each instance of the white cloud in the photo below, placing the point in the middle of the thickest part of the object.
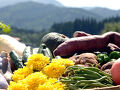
(113, 4)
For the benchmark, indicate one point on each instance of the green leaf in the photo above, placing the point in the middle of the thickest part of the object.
(5, 28)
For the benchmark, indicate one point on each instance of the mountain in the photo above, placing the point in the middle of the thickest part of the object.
(104, 12)
(33, 15)
(88, 8)
(53, 2)
(4, 3)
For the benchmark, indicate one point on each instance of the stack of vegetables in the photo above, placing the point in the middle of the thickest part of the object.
(40, 71)
(57, 64)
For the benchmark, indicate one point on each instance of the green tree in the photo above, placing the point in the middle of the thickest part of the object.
(5, 28)
(112, 26)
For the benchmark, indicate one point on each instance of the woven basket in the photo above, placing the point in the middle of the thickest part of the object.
(106, 88)
(109, 88)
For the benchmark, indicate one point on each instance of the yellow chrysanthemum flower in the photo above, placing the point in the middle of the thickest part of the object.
(46, 86)
(17, 86)
(51, 80)
(56, 84)
(34, 79)
(21, 73)
(52, 84)
(59, 86)
(66, 62)
(54, 70)
(38, 61)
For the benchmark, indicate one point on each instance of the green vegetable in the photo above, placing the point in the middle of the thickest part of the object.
(88, 73)
(114, 55)
(45, 51)
(103, 58)
(80, 77)
(28, 51)
(92, 81)
(17, 61)
(101, 73)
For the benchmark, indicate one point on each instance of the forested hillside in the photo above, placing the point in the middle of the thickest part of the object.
(29, 37)
(105, 12)
(88, 25)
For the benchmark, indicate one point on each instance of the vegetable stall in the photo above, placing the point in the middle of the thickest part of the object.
(61, 63)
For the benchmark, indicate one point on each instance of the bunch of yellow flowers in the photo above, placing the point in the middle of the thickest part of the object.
(40, 74)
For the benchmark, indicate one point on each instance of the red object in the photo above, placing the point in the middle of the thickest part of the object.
(80, 34)
(115, 72)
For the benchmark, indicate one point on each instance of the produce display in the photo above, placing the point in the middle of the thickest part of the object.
(60, 63)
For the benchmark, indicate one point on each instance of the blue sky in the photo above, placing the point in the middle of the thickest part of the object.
(113, 4)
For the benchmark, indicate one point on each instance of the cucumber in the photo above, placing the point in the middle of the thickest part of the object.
(42, 46)
(45, 51)
(17, 61)
(28, 51)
